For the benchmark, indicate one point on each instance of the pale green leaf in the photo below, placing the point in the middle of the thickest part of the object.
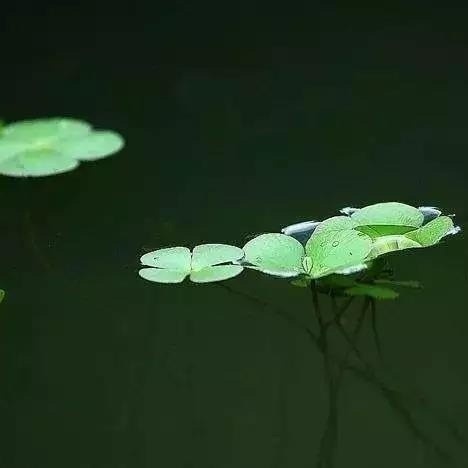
(275, 254)
(175, 258)
(215, 273)
(214, 254)
(45, 147)
(335, 223)
(432, 232)
(45, 131)
(37, 163)
(90, 147)
(389, 214)
(9, 149)
(387, 244)
(163, 275)
(334, 250)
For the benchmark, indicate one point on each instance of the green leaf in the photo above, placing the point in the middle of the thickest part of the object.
(275, 254)
(173, 264)
(376, 292)
(387, 244)
(160, 275)
(36, 163)
(52, 146)
(335, 223)
(175, 258)
(335, 250)
(9, 149)
(384, 230)
(389, 214)
(432, 232)
(91, 147)
(45, 130)
(2, 295)
(213, 254)
(215, 273)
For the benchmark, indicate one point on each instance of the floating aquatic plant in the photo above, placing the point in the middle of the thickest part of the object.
(350, 244)
(207, 263)
(340, 259)
(43, 147)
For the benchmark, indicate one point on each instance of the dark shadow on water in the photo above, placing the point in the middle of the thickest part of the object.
(341, 362)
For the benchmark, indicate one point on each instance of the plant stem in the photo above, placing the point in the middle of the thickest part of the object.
(375, 331)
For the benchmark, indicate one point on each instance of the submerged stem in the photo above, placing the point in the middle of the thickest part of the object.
(375, 330)
(365, 372)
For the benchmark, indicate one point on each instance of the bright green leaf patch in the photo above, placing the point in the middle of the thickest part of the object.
(432, 232)
(386, 244)
(176, 258)
(95, 145)
(204, 265)
(375, 231)
(389, 214)
(207, 255)
(36, 148)
(335, 223)
(335, 250)
(426, 236)
(2, 295)
(275, 254)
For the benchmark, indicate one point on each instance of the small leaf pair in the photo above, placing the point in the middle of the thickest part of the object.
(207, 263)
(333, 247)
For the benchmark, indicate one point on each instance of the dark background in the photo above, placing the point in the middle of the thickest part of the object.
(239, 118)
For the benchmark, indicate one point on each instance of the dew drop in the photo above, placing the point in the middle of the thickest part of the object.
(335, 243)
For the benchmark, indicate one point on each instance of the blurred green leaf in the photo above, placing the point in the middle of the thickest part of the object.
(43, 147)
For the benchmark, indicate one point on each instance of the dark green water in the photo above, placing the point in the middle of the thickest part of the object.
(237, 122)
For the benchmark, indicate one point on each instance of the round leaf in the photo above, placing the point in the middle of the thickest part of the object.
(45, 130)
(275, 254)
(37, 163)
(9, 149)
(90, 147)
(175, 258)
(159, 275)
(389, 214)
(335, 223)
(335, 250)
(213, 254)
(215, 273)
